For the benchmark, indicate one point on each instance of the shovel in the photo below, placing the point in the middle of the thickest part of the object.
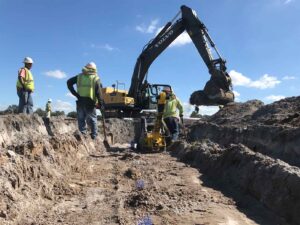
(183, 127)
(105, 141)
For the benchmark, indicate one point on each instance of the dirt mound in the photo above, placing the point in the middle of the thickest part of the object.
(249, 124)
(272, 182)
(283, 112)
(236, 113)
(254, 147)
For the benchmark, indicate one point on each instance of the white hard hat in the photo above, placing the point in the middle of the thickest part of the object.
(49, 100)
(27, 60)
(91, 65)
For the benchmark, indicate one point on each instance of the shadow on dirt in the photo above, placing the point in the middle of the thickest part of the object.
(48, 126)
(245, 203)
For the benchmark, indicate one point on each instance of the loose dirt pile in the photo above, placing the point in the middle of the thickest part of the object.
(254, 147)
(243, 158)
(273, 129)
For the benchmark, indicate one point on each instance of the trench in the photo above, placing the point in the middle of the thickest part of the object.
(65, 178)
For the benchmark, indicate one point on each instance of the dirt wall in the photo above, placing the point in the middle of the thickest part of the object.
(34, 165)
(272, 182)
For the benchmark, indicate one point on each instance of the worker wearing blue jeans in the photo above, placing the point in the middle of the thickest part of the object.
(170, 115)
(89, 96)
(25, 87)
(25, 101)
(87, 115)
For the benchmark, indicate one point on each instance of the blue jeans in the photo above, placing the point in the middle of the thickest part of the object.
(25, 101)
(173, 126)
(87, 115)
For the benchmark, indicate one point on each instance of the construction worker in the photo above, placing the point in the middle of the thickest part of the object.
(89, 97)
(25, 87)
(170, 114)
(195, 113)
(48, 108)
(162, 98)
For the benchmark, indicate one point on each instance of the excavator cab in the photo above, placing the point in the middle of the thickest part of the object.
(150, 92)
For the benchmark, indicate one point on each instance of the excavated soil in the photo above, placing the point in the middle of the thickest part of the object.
(273, 130)
(239, 166)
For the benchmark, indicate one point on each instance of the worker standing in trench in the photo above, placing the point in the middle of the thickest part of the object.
(170, 114)
(25, 87)
(88, 96)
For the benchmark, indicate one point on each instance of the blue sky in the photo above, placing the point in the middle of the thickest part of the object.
(258, 38)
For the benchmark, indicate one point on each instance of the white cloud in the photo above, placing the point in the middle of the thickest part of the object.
(3, 107)
(239, 79)
(264, 82)
(208, 110)
(58, 74)
(63, 106)
(203, 110)
(236, 96)
(70, 95)
(181, 40)
(274, 98)
(287, 2)
(288, 78)
(187, 109)
(106, 47)
(148, 29)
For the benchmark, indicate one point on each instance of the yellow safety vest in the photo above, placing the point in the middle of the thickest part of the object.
(48, 107)
(28, 81)
(171, 107)
(162, 98)
(86, 86)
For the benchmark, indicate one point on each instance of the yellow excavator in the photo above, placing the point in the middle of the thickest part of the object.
(142, 96)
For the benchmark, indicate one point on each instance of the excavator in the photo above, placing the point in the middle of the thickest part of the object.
(142, 95)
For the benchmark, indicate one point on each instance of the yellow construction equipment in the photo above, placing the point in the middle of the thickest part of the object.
(153, 135)
(116, 101)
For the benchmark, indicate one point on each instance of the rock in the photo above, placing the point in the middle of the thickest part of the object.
(11, 154)
(3, 214)
(132, 173)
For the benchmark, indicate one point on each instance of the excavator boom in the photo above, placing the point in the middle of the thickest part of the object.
(142, 95)
(216, 91)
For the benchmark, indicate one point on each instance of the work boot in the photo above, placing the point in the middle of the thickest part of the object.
(93, 136)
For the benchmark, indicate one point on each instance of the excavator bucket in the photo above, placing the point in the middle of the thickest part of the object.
(217, 91)
(201, 98)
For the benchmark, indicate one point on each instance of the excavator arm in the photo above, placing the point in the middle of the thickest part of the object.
(216, 91)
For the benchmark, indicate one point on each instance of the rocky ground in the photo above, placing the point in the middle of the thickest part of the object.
(239, 166)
